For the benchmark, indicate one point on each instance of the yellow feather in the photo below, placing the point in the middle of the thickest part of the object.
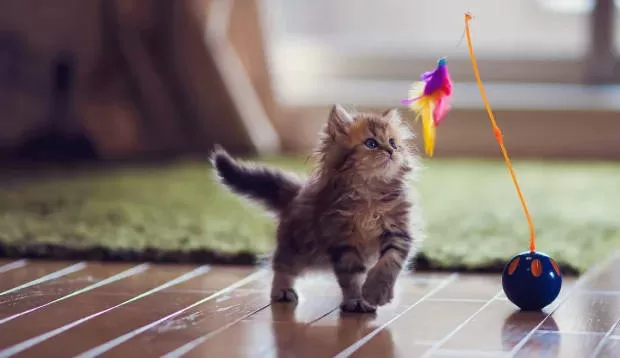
(423, 107)
(429, 130)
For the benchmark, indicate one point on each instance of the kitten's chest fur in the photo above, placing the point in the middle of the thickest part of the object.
(368, 214)
(369, 211)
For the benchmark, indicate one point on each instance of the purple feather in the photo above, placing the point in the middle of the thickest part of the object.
(435, 79)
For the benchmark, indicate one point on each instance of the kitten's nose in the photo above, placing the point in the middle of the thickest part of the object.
(389, 151)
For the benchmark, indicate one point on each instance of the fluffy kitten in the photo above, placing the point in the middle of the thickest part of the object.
(355, 213)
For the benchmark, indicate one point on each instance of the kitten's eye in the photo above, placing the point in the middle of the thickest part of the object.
(371, 143)
(393, 143)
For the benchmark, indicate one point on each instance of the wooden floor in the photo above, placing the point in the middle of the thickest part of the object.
(84, 309)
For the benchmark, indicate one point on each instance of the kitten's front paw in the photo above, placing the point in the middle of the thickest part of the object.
(357, 305)
(378, 291)
(284, 295)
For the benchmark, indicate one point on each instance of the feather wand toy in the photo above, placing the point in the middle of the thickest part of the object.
(430, 99)
(531, 280)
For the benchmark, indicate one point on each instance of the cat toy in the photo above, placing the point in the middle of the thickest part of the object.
(531, 280)
(429, 98)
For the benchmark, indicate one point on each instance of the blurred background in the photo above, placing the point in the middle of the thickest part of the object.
(130, 79)
(540, 61)
(144, 81)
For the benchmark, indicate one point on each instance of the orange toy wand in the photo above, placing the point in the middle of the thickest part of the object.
(498, 132)
(531, 280)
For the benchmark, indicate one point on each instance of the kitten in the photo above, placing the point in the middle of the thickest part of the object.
(355, 214)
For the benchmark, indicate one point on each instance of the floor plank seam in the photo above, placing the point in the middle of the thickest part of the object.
(451, 334)
(423, 342)
(189, 346)
(577, 333)
(472, 353)
(56, 274)
(13, 265)
(355, 346)
(333, 309)
(119, 276)
(103, 348)
(457, 300)
(605, 339)
(600, 292)
(306, 326)
(29, 343)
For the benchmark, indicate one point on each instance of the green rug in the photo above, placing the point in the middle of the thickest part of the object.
(176, 212)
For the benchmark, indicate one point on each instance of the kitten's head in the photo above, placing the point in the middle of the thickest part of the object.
(369, 145)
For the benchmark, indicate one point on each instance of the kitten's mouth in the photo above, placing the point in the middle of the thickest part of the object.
(386, 162)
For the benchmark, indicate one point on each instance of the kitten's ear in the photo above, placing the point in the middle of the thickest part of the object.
(392, 115)
(339, 121)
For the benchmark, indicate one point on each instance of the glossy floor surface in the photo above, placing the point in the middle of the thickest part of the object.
(89, 309)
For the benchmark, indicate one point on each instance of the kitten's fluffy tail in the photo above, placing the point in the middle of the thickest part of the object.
(271, 187)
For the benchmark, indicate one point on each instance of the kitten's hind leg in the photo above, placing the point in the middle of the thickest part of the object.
(350, 270)
(284, 274)
(282, 287)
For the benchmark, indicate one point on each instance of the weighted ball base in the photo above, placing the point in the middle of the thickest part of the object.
(532, 280)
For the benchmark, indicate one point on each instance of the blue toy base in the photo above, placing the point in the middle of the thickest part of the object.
(531, 280)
